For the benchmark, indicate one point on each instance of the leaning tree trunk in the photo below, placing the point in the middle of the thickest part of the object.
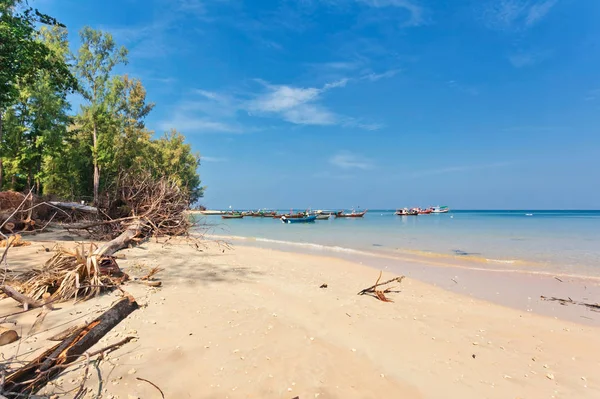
(1, 166)
(96, 168)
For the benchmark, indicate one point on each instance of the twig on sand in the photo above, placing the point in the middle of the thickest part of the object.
(380, 294)
(153, 384)
(592, 306)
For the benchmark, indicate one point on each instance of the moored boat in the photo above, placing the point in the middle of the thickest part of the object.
(352, 214)
(323, 217)
(306, 219)
(439, 209)
(232, 216)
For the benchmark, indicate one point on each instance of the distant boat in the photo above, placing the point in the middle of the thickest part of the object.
(353, 214)
(424, 211)
(232, 216)
(298, 215)
(323, 217)
(211, 212)
(403, 212)
(306, 219)
(439, 209)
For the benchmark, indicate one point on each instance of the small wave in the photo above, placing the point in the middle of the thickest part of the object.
(506, 261)
(294, 243)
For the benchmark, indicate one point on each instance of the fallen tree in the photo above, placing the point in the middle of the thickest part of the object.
(28, 379)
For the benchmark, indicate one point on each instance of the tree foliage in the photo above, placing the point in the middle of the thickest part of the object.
(44, 146)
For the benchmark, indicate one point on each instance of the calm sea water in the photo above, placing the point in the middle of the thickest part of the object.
(561, 241)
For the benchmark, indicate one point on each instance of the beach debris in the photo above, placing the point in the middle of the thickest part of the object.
(38, 372)
(14, 241)
(592, 306)
(380, 294)
(26, 301)
(153, 384)
(76, 273)
(556, 278)
(324, 285)
(7, 336)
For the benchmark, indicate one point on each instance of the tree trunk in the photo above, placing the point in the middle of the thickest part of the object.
(122, 241)
(96, 168)
(1, 154)
(33, 376)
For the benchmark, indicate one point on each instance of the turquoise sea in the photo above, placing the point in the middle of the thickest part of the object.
(566, 242)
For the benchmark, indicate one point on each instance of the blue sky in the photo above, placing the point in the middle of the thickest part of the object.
(476, 104)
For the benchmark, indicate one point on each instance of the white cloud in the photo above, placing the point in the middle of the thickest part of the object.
(525, 59)
(211, 111)
(348, 160)
(515, 14)
(417, 13)
(539, 11)
(296, 105)
(187, 123)
(374, 77)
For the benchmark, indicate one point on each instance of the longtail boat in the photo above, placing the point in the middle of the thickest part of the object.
(232, 216)
(306, 219)
(353, 214)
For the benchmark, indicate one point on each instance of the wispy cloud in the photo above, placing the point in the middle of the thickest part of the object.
(220, 112)
(302, 105)
(189, 123)
(456, 169)
(471, 90)
(416, 12)
(525, 59)
(538, 11)
(349, 160)
(515, 14)
(373, 77)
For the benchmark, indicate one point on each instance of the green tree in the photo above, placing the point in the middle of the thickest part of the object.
(23, 56)
(175, 159)
(96, 59)
(132, 141)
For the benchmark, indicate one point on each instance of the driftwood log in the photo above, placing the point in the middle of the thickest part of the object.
(33, 376)
(122, 241)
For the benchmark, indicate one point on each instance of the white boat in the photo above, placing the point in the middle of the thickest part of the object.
(440, 209)
(210, 212)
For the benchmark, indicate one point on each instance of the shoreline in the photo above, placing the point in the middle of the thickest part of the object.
(254, 322)
(515, 288)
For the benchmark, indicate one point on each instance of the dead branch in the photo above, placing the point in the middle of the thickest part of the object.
(592, 306)
(380, 294)
(33, 376)
(153, 384)
(22, 299)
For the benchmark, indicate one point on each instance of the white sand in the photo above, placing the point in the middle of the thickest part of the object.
(253, 323)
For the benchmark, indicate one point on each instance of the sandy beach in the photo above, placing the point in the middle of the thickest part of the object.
(254, 323)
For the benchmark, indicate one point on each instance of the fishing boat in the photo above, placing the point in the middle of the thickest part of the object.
(306, 219)
(352, 214)
(424, 211)
(323, 217)
(439, 209)
(401, 212)
(211, 212)
(232, 216)
(298, 215)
